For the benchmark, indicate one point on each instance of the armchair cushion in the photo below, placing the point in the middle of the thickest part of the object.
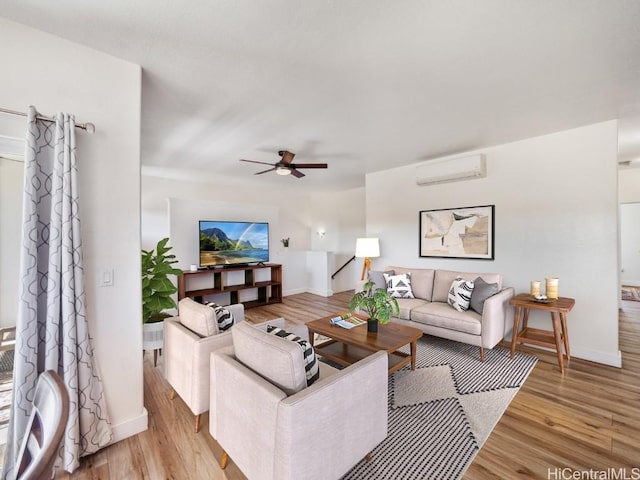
(198, 318)
(310, 361)
(279, 361)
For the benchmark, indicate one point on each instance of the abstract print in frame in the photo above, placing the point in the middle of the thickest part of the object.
(458, 232)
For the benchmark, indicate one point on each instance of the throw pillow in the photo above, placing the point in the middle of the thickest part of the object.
(223, 316)
(460, 294)
(377, 277)
(399, 286)
(311, 367)
(481, 291)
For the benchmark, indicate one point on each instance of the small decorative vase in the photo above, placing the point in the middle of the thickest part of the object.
(372, 326)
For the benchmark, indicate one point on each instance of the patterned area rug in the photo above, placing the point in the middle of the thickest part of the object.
(631, 293)
(441, 414)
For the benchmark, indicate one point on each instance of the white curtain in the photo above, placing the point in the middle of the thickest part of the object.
(51, 328)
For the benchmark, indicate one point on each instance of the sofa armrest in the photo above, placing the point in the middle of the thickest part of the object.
(496, 317)
(187, 362)
(347, 413)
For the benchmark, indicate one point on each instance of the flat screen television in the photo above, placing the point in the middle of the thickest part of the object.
(232, 243)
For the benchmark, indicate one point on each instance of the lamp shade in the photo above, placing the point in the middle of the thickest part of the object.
(367, 247)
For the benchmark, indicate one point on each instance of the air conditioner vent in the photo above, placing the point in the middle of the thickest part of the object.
(451, 170)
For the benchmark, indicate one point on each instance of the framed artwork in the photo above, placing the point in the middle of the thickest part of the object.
(458, 232)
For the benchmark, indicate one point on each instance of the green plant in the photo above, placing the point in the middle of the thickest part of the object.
(378, 304)
(156, 286)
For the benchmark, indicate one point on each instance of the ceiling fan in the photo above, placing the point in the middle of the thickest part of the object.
(285, 167)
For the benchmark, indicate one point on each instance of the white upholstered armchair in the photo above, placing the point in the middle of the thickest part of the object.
(189, 340)
(318, 432)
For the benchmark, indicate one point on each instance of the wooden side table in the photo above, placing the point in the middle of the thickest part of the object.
(558, 308)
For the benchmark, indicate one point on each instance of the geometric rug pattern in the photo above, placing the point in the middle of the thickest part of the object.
(441, 414)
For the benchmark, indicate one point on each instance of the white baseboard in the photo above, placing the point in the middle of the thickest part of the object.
(605, 358)
(294, 291)
(130, 427)
(631, 283)
(322, 293)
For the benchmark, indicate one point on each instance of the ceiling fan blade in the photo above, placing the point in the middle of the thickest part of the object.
(254, 161)
(309, 165)
(265, 171)
(287, 157)
(296, 173)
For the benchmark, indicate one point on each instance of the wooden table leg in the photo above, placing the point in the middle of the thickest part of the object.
(525, 318)
(514, 334)
(565, 334)
(413, 355)
(312, 337)
(555, 317)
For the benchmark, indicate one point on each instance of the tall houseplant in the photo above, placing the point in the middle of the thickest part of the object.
(157, 289)
(378, 304)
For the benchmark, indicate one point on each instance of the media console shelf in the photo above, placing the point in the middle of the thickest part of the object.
(269, 291)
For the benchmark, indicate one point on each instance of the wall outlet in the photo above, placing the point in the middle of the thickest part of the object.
(105, 277)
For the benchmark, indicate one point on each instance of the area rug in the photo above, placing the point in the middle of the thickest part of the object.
(631, 293)
(441, 414)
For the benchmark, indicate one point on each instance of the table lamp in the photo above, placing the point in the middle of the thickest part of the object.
(367, 248)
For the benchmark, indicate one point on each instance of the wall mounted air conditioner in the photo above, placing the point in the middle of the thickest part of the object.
(451, 170)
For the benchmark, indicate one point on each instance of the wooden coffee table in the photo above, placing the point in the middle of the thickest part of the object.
(348, 346)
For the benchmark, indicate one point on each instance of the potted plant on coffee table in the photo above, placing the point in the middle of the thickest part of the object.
(378, 304)
(157, 291)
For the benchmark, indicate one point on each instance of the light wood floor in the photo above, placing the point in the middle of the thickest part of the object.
(588, 418)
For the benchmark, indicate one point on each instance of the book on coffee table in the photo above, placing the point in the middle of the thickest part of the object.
(348, 322)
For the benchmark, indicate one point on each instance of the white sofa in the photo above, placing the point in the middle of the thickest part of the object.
(187, 353)
(314, 432)
(430, 312)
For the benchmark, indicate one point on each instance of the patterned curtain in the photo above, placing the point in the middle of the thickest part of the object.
(51, 328)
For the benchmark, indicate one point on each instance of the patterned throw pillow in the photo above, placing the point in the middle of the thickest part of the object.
(224, 317)
(311, 367)
(399, 286)
(460, 294)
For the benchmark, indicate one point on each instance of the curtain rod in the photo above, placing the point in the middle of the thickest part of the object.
(89, 127)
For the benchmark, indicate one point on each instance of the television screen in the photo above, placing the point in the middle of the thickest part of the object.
(229, 243)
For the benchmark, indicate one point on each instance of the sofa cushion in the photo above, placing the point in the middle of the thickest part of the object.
(444, 278)
(278, 360)
(421, 281)
(310, 361)
(406, 305)
(224, 317)
(442, 315)
(460, 294)
(377, 277)
(481, 291)
(399, 286)
(198, 318)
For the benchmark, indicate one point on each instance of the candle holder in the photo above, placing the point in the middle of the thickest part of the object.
(535, 288)
(552, 287)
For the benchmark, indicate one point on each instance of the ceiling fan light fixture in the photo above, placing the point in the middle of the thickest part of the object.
(283, 171)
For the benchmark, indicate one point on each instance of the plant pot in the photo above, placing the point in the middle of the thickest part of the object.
(153, 338)
(372, 326)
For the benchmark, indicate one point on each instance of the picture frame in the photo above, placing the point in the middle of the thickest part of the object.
(466, 232)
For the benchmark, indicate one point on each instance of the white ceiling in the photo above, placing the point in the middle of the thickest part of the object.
(363, 85)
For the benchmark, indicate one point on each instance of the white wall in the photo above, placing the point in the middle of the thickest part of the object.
(293, 215)
(630, 243)
(629, 185)
(555, 201)
(57, 75)
(342, 216)
(11, 183)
